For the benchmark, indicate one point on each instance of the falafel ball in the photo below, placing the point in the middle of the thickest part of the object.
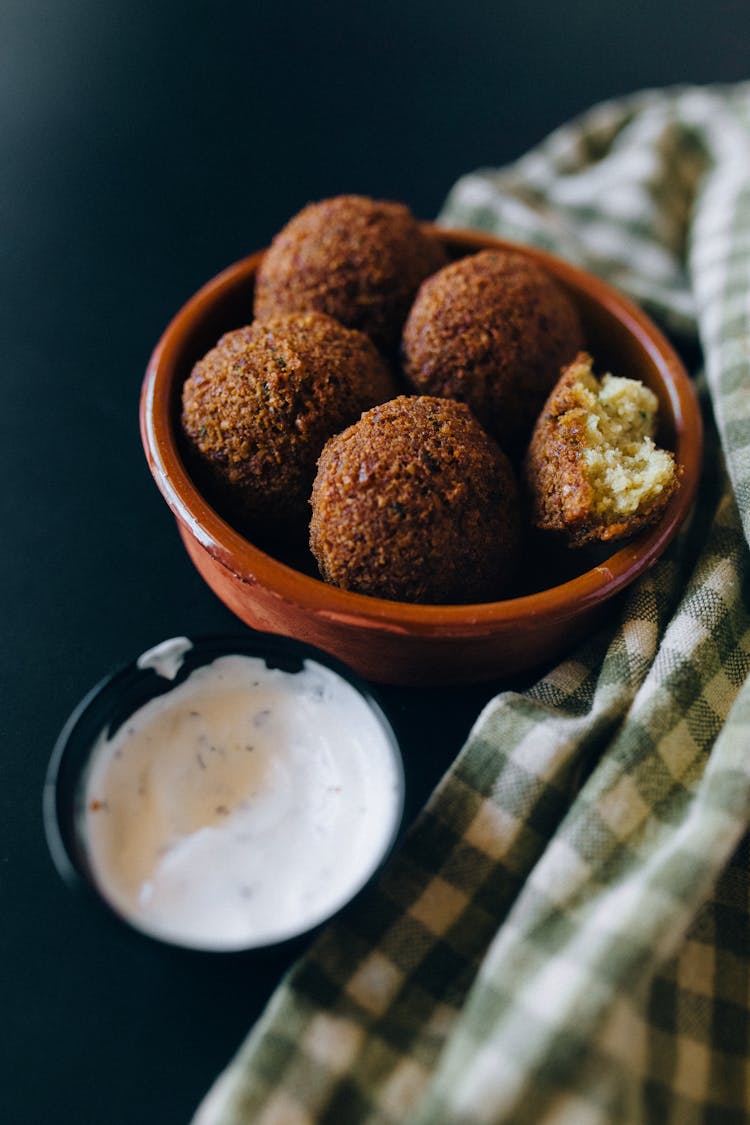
(416, 502)
(358, 259)
(493, 330)
(258, 408)
(593, 470)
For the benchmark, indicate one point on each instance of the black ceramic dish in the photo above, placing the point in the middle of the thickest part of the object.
(118, 696)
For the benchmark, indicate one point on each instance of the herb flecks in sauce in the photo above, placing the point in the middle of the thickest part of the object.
(222, 840)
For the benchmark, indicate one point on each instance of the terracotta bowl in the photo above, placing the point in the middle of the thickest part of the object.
(565, 592)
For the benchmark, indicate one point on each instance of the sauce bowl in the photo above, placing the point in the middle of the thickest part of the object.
(225, 793)
(565, 593)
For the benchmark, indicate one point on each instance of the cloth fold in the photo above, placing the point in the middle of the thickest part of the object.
(563, 935)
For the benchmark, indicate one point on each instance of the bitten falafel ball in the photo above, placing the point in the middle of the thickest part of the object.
(415, 502)
(493, 330)
(593, 470)
(258, 408)
(358, 259)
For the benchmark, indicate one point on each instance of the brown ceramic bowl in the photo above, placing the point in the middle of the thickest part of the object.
(565, 592)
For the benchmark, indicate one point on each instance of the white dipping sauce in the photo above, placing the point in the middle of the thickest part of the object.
(243, 806)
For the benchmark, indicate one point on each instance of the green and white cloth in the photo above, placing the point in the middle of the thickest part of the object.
(563, 937)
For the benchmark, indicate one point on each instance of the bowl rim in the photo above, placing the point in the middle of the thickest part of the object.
(251, 565)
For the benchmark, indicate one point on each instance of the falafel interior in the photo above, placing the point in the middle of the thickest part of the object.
(593, 469)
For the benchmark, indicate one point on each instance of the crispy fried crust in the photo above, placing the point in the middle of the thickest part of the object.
(258, 408)
(358, 259)
(492, 330)
(416, 502)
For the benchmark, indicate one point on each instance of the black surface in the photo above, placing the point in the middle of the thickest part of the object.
(145, 145)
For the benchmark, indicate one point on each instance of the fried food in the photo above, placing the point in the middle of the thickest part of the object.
(358, 259)
(493, 330)
(593, 470)
(416, 502)
(258, 408)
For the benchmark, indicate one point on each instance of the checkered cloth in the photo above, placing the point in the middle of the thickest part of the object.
(563, 938)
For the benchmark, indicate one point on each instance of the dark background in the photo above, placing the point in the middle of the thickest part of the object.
(144, 146)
